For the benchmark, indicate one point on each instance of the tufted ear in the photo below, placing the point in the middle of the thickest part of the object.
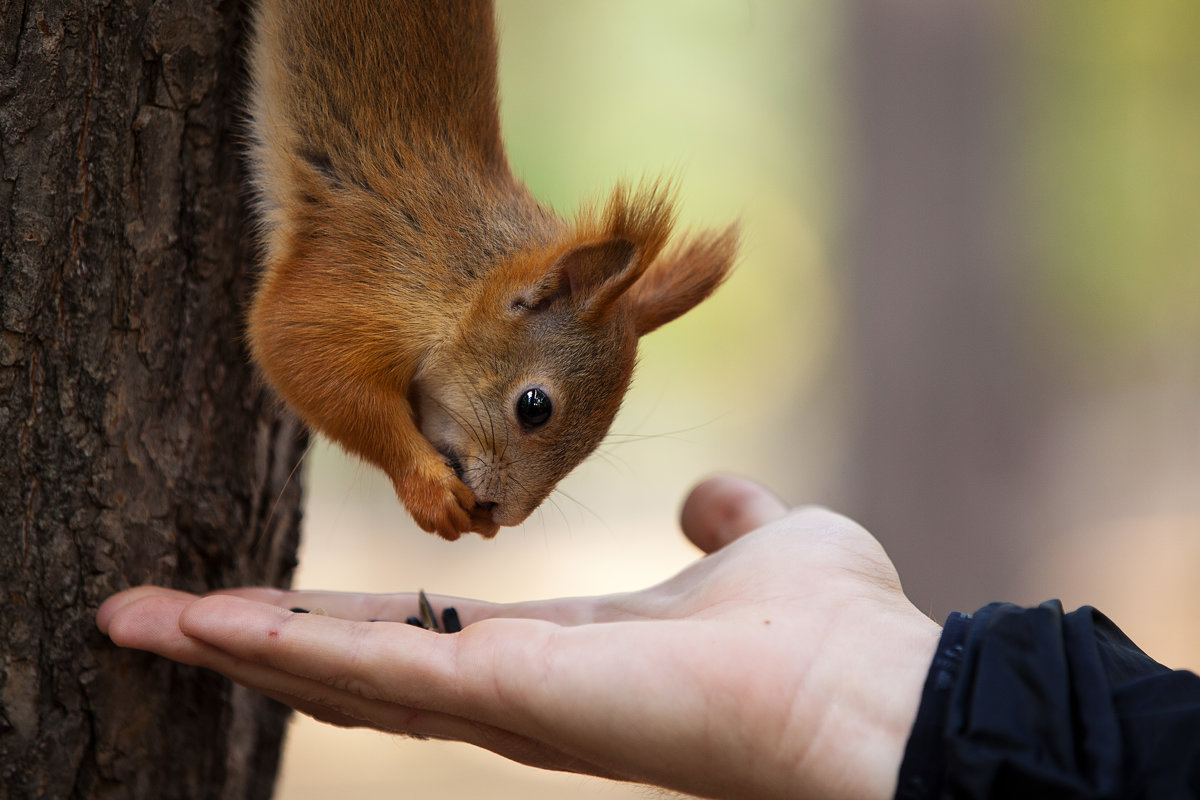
(589, 276)
(681, 278)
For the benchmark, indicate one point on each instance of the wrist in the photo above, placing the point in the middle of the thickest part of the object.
(874, 682)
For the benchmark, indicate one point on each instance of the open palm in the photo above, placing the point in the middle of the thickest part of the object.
(785, 663)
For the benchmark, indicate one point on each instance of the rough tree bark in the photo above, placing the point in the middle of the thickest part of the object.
(135, 443)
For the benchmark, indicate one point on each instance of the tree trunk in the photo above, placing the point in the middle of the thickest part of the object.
(136, 444)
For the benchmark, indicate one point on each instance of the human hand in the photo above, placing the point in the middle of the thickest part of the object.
(786, 663)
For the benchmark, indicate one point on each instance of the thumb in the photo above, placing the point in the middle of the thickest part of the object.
(723, 509)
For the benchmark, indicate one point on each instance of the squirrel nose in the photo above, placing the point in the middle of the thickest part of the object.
(485, 506)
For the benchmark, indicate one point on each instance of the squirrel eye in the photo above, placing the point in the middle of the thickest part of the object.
(534, 408)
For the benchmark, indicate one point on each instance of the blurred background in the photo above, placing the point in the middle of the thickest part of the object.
(967, 314)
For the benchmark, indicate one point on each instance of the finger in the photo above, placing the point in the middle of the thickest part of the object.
(116, 602)
(490, 689)
(150, 620)
(723, 509)
(402, 605)
(365, 658)
(396, 677)
(447, 727)
(153, 622)
(384, 662)
(343, 605)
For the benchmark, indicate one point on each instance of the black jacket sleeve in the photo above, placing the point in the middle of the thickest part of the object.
(1035, 703)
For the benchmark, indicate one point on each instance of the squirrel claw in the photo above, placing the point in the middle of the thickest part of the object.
(481, 522)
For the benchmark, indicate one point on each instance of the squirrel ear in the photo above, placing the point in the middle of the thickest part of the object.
(590, 276)
(679, 280)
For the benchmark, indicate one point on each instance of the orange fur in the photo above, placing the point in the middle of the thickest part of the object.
(413, 290)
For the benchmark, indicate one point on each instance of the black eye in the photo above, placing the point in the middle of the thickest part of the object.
(534, 408)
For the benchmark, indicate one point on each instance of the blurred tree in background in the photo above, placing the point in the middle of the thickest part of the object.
(944, 386)
(1023, 283)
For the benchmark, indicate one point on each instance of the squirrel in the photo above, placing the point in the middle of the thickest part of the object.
(417, 305)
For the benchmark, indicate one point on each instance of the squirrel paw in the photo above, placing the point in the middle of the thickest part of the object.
(481, 522)
(439, 503)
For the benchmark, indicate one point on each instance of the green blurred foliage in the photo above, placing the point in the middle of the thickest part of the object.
(738, 101)
(726, 97)
(1113, 147)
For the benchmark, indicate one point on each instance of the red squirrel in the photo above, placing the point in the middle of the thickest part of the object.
(417, 305)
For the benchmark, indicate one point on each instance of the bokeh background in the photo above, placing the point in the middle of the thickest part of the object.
(967, 313)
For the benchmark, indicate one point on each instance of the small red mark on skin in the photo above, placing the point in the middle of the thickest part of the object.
(272, 634)
(766, 622)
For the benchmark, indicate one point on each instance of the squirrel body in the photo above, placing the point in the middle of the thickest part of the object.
(417, 304)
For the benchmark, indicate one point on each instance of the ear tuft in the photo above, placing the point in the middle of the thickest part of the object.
(680, 279)
(644, 216)
(616, 254)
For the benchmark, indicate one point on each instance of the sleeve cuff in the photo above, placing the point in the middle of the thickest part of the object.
(924, 766)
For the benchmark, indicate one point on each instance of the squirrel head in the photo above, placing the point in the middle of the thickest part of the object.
(527, 385)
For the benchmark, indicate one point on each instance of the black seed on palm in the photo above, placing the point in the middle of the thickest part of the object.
(534, 408)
